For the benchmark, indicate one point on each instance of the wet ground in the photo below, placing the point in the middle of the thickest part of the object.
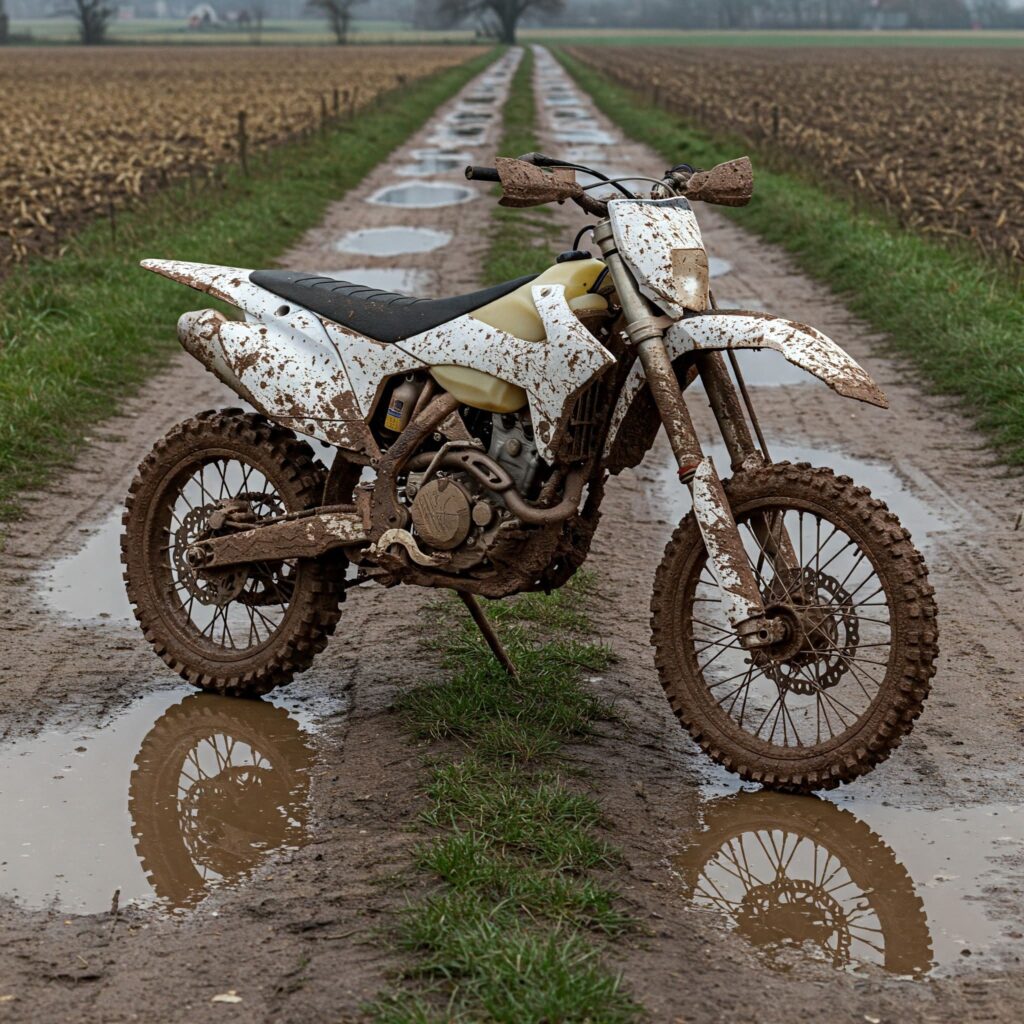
(258, 847)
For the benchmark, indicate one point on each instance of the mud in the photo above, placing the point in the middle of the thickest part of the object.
(931, 841)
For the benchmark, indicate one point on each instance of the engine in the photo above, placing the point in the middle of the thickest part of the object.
(453, 512)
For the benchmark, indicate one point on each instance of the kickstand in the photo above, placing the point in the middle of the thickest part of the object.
(490, 636)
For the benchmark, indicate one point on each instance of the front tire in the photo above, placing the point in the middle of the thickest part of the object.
(838, 697)
(240, 631)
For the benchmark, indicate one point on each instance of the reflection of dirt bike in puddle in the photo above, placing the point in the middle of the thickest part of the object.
(217, 784)
(796, 872)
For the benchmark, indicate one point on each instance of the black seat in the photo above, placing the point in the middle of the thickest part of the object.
(383, 316)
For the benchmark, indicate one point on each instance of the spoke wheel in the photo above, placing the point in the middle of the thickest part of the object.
(242, 630)
(837, 694)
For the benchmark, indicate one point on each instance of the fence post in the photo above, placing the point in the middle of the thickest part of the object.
(243, 144)
(323, 114)
(337, 103)
(775, 122)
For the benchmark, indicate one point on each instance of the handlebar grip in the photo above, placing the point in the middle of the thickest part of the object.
(482, 174)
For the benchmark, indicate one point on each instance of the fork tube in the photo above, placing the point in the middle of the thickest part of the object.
(646, 333)
(725, 404)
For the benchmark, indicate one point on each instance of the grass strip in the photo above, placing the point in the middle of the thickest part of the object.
(512, 929)
(80, 332)
(959, 317)
(520, 240)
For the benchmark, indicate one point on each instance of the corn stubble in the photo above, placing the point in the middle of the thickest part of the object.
(935, 136)
(88, 132)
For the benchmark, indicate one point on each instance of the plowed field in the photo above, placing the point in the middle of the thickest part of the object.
(87, 130)
(935, 136)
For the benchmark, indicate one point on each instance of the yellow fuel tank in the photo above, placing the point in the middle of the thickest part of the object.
(516, 314)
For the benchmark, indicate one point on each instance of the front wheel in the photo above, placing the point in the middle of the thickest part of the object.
(838, 694)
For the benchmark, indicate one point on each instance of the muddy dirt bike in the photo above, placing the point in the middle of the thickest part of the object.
(793, 624)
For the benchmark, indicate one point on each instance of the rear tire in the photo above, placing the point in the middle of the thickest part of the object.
(286, 611)
(868, 709)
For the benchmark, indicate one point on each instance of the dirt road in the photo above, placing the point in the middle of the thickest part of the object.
(899, 898)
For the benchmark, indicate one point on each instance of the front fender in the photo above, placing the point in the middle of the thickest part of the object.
(634, 420)
(803, 346)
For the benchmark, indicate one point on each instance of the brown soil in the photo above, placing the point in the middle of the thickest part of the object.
(298, 942)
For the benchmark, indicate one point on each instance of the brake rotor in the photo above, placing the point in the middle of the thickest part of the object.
(207, 586)
(826, 632)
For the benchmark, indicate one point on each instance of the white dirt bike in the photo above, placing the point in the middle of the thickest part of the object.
(793, 624)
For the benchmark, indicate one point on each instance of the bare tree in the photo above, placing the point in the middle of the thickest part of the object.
(257, 12)
(506, 12)
(93, 20)
(338, 14)
(4, 24)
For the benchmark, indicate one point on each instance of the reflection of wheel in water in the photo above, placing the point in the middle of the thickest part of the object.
(791, 872)
(217, 784)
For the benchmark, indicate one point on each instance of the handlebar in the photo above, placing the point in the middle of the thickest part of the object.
(482, 174)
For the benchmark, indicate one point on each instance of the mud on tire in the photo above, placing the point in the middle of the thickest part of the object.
(887, 718)
(312, 610)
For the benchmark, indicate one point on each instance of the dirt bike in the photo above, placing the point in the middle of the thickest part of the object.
(793, 623)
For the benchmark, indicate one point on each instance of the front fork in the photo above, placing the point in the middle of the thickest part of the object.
(742, 601)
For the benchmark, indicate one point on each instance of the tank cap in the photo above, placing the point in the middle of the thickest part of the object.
(571, 255)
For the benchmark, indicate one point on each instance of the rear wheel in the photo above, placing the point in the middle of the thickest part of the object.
(242, 630)
(836, 696)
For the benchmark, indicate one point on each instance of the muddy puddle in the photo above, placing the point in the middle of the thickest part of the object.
(392, 241)
(423, 195)
(179, 794)
(428, 162)
(853, 883)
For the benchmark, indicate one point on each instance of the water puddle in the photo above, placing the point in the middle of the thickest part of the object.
(719, 267)
(423, 195)
(428, 162)
(585, 136)
(87, 585)
(881, 479)
(907, 890)
(387, 279)
(168, 801)
(393, 241)
(472, 117)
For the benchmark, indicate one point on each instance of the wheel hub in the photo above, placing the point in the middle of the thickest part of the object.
(821, 631)
(207, 586)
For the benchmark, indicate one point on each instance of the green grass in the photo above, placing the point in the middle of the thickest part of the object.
(957, 316)
(521, 240)
(512, 931)
(80, 332)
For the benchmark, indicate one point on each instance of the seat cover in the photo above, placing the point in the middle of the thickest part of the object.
(383, 316)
